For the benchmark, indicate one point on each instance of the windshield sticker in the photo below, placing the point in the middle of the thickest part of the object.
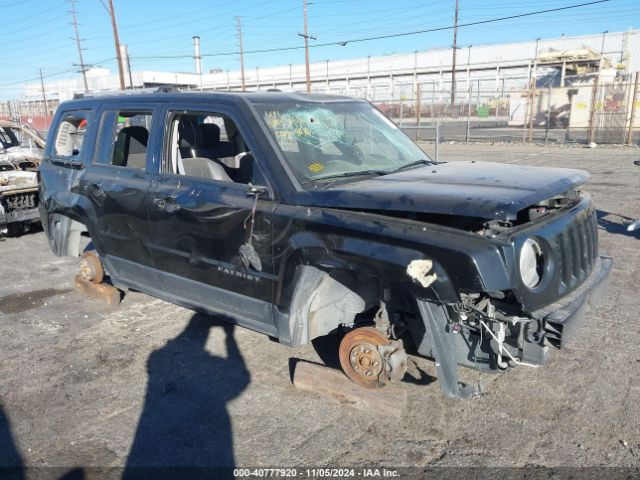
(316, 167)
(316, 127)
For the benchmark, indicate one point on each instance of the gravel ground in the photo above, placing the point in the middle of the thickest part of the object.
(83, 384)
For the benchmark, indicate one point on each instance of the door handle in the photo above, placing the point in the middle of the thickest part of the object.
(95, 190)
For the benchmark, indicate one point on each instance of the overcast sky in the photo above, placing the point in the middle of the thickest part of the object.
(38, 33)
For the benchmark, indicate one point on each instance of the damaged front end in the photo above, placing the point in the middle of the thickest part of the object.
(19, 200)
(556, 275)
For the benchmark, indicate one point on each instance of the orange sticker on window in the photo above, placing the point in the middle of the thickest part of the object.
(316, 167)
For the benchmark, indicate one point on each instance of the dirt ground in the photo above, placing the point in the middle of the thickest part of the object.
(84, 384)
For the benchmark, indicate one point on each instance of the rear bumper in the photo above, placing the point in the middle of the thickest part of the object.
(562, 318)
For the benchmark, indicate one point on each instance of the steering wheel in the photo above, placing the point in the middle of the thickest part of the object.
(352, 153)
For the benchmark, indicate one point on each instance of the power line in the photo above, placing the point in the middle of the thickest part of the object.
(382, 37)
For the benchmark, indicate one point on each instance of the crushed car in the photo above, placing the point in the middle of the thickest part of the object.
(300, 215)
(21, 150)
(21, 145)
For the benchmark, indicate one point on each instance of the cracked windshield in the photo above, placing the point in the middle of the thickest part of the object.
(342, 140)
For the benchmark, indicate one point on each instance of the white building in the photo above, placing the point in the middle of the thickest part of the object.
(482, 71)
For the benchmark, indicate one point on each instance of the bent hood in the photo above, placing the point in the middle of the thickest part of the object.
(472, 189)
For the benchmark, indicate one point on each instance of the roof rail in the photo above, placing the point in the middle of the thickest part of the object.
(138, 91)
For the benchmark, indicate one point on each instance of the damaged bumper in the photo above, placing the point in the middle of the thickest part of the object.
(505, 338)
(562, 318)
(19, 216)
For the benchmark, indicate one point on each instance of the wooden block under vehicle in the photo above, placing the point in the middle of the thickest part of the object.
(390, 400)
(100, 291)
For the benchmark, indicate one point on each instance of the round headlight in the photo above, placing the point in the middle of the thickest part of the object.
(531, 263)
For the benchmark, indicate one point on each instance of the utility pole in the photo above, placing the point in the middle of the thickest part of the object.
(455, 49)
(116, 40)
(44, 98)
(83, 69)
(306, 37)
(239, 27)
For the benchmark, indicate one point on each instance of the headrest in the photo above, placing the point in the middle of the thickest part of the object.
(210, 134)
(137, 138)
(189, 132)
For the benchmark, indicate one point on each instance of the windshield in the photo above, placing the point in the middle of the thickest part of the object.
(338, 139)
(8, 138)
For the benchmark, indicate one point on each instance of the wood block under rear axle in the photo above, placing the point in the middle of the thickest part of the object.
(100, 291)
(390, 400)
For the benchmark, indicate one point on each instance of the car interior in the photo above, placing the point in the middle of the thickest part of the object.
(210, 147)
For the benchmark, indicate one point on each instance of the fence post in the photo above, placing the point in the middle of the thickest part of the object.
(632, 120)
(418, 105)
(437, 138)
(592, 111)
(548, 117)
(469, 111)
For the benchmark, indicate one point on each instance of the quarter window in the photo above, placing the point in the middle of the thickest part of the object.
(124, 136)
(70, 134)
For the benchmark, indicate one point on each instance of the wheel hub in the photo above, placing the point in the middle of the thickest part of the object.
(366, 360)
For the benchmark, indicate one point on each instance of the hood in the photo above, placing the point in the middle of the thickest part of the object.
(472, 189)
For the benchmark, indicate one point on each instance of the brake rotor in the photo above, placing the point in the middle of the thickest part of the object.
(91, 267)
(360, 358)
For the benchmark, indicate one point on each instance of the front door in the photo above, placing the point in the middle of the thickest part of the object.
(210, 224)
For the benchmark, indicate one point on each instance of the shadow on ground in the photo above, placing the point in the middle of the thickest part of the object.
(10, 461)
(607, 220)
(184, 427)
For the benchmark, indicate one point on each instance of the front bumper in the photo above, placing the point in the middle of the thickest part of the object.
(19, 216)
(562, 318)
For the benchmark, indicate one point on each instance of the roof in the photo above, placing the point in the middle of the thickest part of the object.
(225, 96)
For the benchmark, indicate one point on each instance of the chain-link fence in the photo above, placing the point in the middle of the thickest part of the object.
(601, 112)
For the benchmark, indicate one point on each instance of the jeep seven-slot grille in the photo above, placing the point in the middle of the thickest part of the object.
(578, 249)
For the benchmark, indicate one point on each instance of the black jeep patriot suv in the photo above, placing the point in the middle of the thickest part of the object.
(296, 215)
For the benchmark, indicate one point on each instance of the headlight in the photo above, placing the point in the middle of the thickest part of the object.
(531, 263)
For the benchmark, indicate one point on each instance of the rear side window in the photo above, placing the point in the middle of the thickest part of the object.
(70, 134)
(8, 138)
(124, 136)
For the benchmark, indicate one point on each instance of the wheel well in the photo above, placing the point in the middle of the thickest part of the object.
(64, 235)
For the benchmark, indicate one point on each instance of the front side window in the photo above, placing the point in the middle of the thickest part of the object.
(337, 139)
(70, 134)
(209, 146)
(124, 136)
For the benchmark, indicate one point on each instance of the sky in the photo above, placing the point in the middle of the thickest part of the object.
(38, 34)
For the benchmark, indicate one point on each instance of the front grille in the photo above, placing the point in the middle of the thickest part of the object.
(578, 250)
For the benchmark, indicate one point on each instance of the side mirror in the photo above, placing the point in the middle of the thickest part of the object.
(636, 162)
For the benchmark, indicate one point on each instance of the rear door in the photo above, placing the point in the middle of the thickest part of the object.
(117, 184)
(208, 206)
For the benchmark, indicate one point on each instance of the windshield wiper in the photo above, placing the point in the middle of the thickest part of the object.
(337, 176)
(422, 161)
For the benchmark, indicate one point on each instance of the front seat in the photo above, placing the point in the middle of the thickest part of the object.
(189, 136)
(130, 149)
(205, 168)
